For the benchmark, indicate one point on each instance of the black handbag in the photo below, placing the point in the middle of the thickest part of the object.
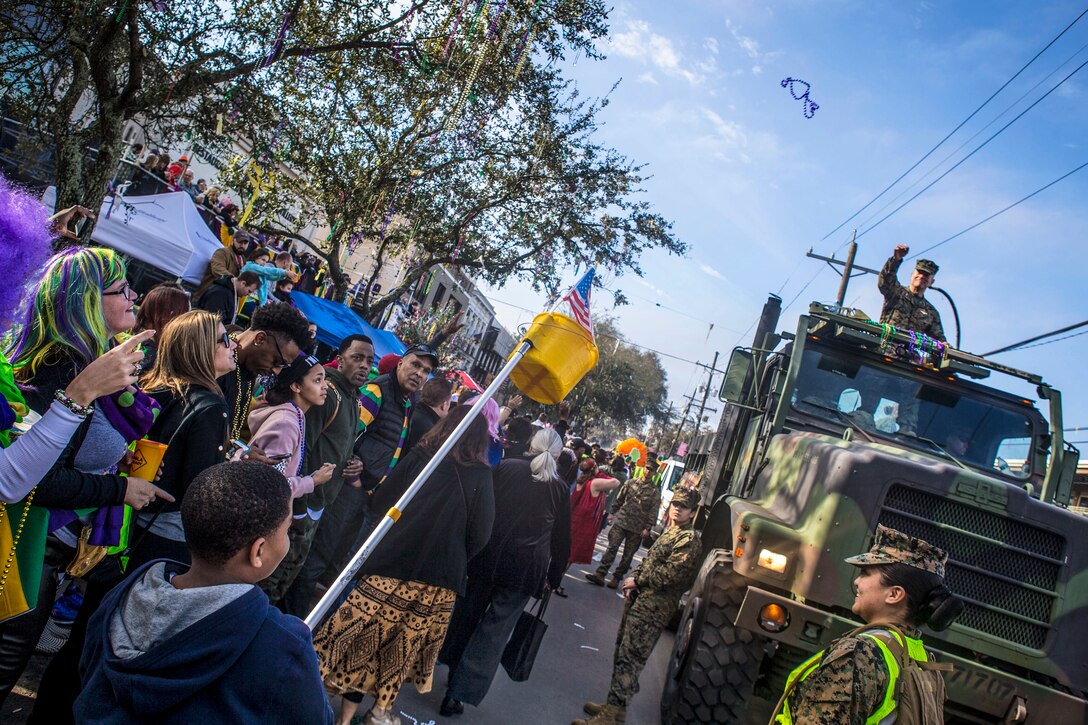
(520, 652)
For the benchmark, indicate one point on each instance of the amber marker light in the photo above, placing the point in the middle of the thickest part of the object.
(773, 617)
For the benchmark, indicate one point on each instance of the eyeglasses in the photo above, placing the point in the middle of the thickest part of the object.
(224, 340)
(127, 292)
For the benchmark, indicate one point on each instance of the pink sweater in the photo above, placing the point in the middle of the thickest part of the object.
(276, 431)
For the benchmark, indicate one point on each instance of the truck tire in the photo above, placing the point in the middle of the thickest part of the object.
(713, 667)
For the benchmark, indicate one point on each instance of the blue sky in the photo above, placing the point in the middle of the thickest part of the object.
(752, 184)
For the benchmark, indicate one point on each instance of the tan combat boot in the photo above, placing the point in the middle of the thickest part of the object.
(595, 578)
(607, 715)
(614, 583)
(592, 708)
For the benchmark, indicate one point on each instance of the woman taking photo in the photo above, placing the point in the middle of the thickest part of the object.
(279, 428)
(77, 307)
(529, 547)
(408, 585)
(25, 236)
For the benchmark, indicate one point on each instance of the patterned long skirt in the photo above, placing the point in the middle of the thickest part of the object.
(387, 633)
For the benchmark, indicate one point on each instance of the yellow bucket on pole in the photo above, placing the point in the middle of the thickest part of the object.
(562, 353)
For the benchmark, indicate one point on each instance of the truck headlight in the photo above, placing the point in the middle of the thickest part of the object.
(772, 560)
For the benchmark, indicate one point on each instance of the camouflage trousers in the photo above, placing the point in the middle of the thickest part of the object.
(640, 629)
(300, 535)
(631, 540)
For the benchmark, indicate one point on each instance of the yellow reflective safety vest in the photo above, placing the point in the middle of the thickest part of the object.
(886, 712)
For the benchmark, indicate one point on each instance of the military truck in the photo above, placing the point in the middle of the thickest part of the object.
(846, 424)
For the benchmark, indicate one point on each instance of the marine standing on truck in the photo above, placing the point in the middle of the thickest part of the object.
(636, 509)
(900, 587)
(907, 308)
(652, 595)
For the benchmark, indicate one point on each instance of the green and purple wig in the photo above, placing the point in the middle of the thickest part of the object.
(64, 316)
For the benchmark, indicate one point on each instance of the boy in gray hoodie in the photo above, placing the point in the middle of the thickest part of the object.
(177, 644)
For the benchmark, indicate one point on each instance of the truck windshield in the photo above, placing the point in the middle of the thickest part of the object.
(940, 421)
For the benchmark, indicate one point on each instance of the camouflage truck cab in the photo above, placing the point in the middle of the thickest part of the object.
(848, 426)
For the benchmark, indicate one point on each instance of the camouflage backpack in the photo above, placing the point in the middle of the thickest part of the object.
(919, 689)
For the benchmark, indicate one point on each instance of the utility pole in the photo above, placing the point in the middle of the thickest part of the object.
(680, 427)
(702, 406)
(706, 392)
(851, 252)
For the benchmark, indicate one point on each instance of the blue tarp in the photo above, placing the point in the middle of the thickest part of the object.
(335, 321)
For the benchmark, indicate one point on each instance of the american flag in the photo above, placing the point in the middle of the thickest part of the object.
(578, 297)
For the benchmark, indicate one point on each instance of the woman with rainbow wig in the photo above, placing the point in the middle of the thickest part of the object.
(59, 352)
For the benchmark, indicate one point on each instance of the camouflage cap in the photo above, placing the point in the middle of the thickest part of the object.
(686, 497)
(926, 265)
(895, 547)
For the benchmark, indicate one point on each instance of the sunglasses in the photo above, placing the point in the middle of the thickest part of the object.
(224, 340)
(282, 361)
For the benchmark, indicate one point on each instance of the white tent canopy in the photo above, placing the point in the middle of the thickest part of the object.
(163, 230)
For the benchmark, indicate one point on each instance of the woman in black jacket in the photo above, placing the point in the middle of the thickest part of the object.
(408, 585)
(529, 547)
(194, 351)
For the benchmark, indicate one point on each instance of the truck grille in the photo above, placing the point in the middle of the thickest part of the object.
(1006, 571)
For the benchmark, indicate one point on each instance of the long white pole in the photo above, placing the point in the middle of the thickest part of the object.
(344, 578)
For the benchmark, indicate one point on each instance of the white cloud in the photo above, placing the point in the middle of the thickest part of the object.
(730, 132)
(751, 48)
(652, 287)
(640, 42)
(647, 78)
(747, 44)
(711, 45)
(707, 269)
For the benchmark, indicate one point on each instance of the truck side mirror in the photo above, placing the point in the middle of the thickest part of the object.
(738, 376)
(1063, 491)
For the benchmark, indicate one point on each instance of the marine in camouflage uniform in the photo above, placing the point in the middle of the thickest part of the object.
(638, 502)
(664, 575)
(847, 684)
(903, 308)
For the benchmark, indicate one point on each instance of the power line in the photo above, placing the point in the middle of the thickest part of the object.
(999, 213)
(1048, 342)
(1025, 343)
(978, 148)
(957, 128)
(973, 136)
(802, 290)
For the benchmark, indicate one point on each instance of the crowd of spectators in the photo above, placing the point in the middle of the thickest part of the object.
(277, 466)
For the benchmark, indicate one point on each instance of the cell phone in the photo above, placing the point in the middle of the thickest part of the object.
(235, 447)
(80, 222)
(279, 457)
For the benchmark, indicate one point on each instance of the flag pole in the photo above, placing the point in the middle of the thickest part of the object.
(314, 618)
